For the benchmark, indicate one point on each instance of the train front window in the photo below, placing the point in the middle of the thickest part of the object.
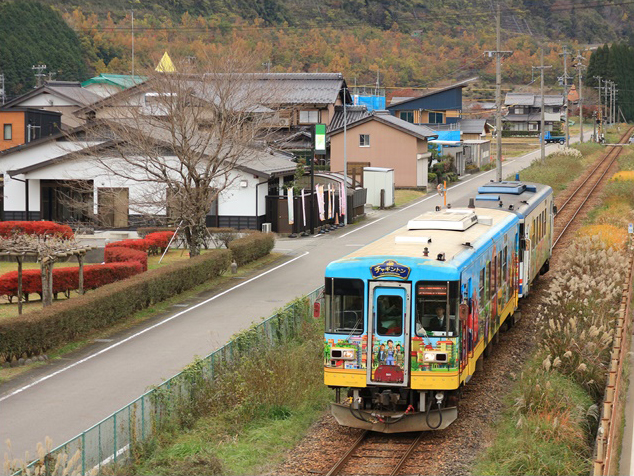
(344, 306)
(437, 308)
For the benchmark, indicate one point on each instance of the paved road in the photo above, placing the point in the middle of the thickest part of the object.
(70, 395)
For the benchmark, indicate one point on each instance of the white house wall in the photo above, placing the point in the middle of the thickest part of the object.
(44, 100)
(14, 196)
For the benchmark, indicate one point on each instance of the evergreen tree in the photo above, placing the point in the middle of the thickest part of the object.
(30, 34)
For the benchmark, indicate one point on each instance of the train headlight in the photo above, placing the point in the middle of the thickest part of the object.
(343, 354)
(435, 357)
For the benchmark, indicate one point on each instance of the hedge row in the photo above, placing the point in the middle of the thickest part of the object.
(42, 228)
(116, 254)
(251, 247)
(153, 243)
(67, 279)
(53, 326)
(68, 320)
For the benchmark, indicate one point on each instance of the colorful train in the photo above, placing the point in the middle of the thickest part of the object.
(409, 317)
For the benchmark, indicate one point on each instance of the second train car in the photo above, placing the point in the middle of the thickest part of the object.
(408, 316)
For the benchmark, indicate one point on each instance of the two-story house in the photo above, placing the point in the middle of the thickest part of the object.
(436, 108)
(524, 111)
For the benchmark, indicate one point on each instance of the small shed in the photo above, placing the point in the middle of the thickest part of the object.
(379, 181)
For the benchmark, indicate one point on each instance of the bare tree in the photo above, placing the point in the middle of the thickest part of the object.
(176, 140)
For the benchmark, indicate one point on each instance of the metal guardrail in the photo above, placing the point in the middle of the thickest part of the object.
(110, 440)
(606, 452)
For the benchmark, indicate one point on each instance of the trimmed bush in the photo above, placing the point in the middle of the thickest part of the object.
(67, 279)
(157, 242)
(122, 255)
(53, 326)
(146, 230)
(252, 247)
(41, 228)
(153, 243)
(139, 245)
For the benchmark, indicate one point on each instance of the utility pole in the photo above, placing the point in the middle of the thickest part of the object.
(614, 90)
(40, 73)
(579, 65)
(605, 112)
(542, 124)
(600, 115)
(345, 156)
(498, 93)
(565, 55)
(133, 45)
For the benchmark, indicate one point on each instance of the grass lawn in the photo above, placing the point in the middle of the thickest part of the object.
(10, 310)
(402, 197)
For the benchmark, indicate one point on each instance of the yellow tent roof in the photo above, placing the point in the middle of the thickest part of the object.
(165, 65)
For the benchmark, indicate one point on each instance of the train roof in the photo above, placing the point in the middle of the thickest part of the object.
(448, 231)
(517, 197)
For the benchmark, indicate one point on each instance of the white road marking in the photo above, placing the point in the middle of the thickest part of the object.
(26, 387)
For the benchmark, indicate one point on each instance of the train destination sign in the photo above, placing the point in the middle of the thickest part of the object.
(390, 269)
(432, 290)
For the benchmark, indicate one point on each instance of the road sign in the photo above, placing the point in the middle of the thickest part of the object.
(630, 228)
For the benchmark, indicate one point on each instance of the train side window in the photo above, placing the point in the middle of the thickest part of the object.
(500, 266)
(544, 222)
(505, 268)
(490, 278)
(481, 286)
(344, 306)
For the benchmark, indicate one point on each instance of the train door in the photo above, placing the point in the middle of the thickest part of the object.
(389, 331)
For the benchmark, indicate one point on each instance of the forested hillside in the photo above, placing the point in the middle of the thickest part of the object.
(31, 34)
(615, 63)
(407, 43)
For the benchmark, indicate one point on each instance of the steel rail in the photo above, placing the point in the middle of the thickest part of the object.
(344, 459)
(413, 446)
(614, 149)
(589, 194)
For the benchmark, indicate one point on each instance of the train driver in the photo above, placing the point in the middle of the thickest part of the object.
(439, 321)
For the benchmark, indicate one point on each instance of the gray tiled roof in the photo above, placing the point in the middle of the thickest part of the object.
(534, 100)
(472, 126)
(270, 164)
(422, 132)
(71, 90)
(353, 114)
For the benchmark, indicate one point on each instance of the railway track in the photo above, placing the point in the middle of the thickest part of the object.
(576, 202)
(377, 454)
(393, 454)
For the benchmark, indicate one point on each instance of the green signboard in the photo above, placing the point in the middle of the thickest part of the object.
(320, 139)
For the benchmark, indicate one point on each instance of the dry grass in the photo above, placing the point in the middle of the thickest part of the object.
(403, 197)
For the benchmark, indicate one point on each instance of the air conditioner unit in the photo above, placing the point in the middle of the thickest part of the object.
(266, 228)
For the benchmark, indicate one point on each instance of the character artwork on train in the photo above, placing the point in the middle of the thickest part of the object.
(410, 315)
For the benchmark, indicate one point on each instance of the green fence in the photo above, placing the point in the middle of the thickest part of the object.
(110, 440)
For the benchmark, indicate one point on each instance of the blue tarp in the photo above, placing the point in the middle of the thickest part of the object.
(373, 103)
(445, 135)
(448, 135)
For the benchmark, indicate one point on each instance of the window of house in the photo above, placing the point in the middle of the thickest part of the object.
(309, 117)
(435, 118)
(532, 126)
(8, 132)
(519, 110)
(364, 140)
(407, 116)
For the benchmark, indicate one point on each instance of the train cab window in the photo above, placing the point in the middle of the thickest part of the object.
(344, 306)
(437, 308)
